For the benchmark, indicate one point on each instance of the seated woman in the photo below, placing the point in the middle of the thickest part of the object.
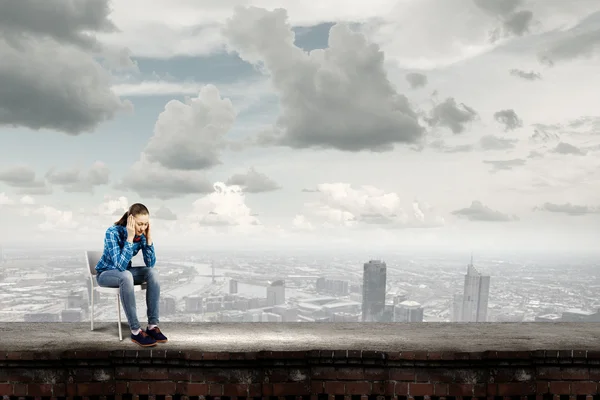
(122, 241)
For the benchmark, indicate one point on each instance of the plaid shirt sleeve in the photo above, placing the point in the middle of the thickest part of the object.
(120, 257)
(148, 253)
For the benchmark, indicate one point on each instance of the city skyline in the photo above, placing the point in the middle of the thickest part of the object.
(373, 126)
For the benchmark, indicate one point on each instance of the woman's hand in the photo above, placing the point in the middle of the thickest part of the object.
(130, 228)
(148, 235)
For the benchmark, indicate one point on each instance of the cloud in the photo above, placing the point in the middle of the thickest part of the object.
(566, 148)
(310, 190)
(224, 207)
(541, 135)
(23, 178)
(509, 119)
(479, 212)
(150, 179)
(505, 164)
(514, 23)
(579, 41)
(450, 115)
(75, 180)
(336, 98)
(71, 93)
(416, 80)
(342, 205)
(190, 135)
(491, 142)
(253, 182)
(529, 76)
(165, 213)
(441, 145)
(568, 208)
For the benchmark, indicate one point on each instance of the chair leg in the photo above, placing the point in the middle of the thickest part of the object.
(119, 310)
(92, 313)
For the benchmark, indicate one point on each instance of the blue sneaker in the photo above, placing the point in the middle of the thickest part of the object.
(156, 334)
(143, 339)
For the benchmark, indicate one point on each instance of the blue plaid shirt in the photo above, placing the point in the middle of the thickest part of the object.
(118, 252)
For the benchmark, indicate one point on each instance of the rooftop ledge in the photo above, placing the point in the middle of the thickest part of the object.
(262, 336)
(303, 361)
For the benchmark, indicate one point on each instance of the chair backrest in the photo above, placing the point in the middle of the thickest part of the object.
(92, 258)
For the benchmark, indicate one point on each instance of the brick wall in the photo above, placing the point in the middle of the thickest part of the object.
(315, 375)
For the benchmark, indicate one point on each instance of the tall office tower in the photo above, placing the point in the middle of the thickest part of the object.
(233, 286)
(276, 293)
(475, 296)
(408, 311)
(373, 296)
(457, 303)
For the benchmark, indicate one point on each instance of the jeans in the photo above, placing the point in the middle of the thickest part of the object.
(125, 280)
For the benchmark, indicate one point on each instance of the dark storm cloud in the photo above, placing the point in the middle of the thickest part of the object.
(509, 119)
(416, 80)
(253, 182)
(450, 115)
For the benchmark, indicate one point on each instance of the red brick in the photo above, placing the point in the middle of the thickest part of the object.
(128, 372)
(460, 389)
(583, 388)
(162, 387)
(95, 388)
(516, 389)
(325, 373)
(594, 374)
(420, 389)
(376, 374)
(316, 386)
(441, 375)
(120, 388)
(19, 389)
(358, 388)
(576, 374)
(59, 390)
(139, 387)
(378, 387)
(541, 387)
(549, 373)
(254, 390)
(157, 374)
(402, 374)
(480, 390)
(440, 389)
(340, 354)
(333, 387)
(354, 353)
(560, 387)
(215, 389)
(6, 388)
(13, 355)
(192, 389)
(565, 354)
(350, 373)
(235, 389)
(389, 388)
(392, 355)
(401, 388)
(292, 388)
(179, 374)
(39, 389)
(492, 389)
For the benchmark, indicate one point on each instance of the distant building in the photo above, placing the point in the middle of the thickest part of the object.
(580, 316)
(233, 286)
(408, 311)
(373, 297)
(41, 317)
(167, 305)
(71, 315)
(276, 293)
(193, 304)
(335, 287)
(475, 296)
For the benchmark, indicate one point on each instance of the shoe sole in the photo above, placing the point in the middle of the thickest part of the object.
(143, 345)
(161, 341)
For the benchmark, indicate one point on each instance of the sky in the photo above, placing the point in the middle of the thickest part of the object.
(468, 125)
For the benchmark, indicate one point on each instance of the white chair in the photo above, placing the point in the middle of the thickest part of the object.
(92, 258)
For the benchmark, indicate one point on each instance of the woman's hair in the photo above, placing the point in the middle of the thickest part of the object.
(135, 209)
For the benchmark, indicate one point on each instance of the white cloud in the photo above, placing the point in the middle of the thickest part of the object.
(189, 136)
(225, 207)
(340, 204)
(253, 182)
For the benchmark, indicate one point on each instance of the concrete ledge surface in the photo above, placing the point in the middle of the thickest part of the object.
(252, 337)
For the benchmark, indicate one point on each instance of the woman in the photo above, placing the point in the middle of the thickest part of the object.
(122, 241)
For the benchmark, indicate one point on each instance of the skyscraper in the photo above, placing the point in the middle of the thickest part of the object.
(373, 298)
(475, 296)
(276, 293)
